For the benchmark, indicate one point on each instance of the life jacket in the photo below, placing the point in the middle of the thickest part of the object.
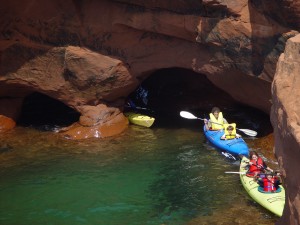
(269, 184)
(214, 121)
(256, 167)
(233, 133)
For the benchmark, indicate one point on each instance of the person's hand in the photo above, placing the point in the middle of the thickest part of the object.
(277, 173)
(205, 121)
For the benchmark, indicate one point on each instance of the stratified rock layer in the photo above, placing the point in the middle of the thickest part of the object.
(91, 54)
(83, 80)
(94, 53)
(285, 120)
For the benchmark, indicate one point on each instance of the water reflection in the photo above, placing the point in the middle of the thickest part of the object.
(142, 176)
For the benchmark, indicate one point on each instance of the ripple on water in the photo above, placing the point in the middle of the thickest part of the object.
(143, 176)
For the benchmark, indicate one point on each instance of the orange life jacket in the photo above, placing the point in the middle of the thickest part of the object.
(257, 166)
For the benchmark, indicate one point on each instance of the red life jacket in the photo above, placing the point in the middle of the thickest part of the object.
(257, 166)
(269, 184)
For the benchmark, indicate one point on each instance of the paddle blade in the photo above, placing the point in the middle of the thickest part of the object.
(248, 132)
(187, 115)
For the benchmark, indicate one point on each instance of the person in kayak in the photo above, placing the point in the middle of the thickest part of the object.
(256, 165)
(130, 104)
(230, 132)
(216, 120)
(269, 183)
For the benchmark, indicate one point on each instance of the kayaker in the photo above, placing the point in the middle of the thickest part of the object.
(256, 165)
(130, 104)
(269, 183)
(216, 120)
(230, 132)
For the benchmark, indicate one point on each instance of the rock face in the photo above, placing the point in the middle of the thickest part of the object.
(91, 54)
(285, 120)
(82, 79)
(6, 123)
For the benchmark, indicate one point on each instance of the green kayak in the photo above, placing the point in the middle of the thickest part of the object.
(139, 119)
(273, 201)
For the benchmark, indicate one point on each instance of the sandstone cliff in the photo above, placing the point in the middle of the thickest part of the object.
(285, 121)
(91, 54)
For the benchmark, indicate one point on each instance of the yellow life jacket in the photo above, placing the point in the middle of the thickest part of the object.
(213, 121)
(233, 134)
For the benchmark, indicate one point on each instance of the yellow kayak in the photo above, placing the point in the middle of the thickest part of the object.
(139, 119)
(273, 201)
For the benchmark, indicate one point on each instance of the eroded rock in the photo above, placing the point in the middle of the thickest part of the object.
(285, 120)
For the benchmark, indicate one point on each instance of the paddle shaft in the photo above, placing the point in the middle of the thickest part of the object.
(235, 172)
(189, 115)
(259, 174)
(206, 119)
(222, 125)
(211, 121)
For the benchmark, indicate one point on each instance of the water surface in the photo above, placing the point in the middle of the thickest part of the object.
(143, 176)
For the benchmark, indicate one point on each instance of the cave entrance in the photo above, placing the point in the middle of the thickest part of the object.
(45, 113)
(166, 92)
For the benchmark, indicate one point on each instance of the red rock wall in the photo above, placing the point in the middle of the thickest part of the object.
(94, 53)
(285, 119)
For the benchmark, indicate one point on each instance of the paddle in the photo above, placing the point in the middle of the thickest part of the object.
(131, 105)
(235, 172)
(259, 175)
(189, 115)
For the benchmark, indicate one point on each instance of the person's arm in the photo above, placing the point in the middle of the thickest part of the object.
(237, 135)
(279, 179)
(277, 182)
(267, 168)
(207, 124)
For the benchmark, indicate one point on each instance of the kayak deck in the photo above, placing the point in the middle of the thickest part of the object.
(139, 119)
(274, 201)
(235, 146)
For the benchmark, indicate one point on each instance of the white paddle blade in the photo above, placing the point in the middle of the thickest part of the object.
(236, 172)
(249, 132)
(187, 115)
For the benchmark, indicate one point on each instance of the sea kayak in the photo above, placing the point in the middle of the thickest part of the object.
(273, 201)
(235, 146)
(139, 119)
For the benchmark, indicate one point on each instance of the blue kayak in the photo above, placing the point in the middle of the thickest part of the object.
(235, 146)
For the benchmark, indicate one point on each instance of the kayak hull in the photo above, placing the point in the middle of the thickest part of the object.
(274, 202)
(235, 146)
(139, 119)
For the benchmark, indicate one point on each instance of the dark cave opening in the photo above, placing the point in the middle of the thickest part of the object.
(169, 91)
(45, 113)
(166, 92)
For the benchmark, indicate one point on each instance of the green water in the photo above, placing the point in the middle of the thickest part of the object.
(143, 176)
